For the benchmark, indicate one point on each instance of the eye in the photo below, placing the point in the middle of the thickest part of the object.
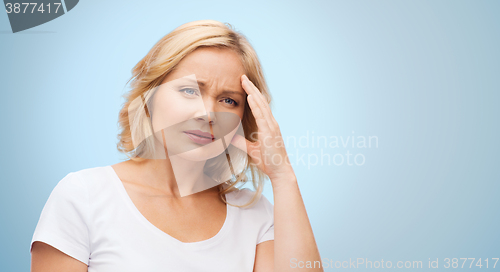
(189, 91)
(230, 101)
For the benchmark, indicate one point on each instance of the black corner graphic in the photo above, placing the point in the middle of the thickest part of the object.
(28, 14)
(70, 4)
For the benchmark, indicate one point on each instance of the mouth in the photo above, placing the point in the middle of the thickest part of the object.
(199, 136)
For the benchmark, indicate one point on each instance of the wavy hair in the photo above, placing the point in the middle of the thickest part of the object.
(163, 58)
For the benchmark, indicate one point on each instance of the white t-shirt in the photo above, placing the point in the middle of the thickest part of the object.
(90, 217)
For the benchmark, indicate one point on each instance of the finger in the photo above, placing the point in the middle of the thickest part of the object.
(251, 89)
(260, 119)
(254, 90)
(244, 83)
(261, 100)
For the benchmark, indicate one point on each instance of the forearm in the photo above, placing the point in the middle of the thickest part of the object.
(293, 235)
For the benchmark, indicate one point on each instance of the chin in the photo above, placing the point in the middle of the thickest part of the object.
(203, 153)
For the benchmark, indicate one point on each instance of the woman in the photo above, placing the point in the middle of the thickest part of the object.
(162, 211)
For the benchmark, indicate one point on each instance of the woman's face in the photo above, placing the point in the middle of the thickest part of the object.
(200, 102)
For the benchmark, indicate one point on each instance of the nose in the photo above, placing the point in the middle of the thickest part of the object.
(210, 118)
(207, 114)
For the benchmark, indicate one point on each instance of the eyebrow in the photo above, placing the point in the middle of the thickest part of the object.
(202, 84)
(234, 92)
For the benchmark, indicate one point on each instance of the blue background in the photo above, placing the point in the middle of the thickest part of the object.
(421, 76)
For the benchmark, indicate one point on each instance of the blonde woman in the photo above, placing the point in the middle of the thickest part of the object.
(134, 216)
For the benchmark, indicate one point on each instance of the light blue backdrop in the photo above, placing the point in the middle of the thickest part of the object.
(420, 77)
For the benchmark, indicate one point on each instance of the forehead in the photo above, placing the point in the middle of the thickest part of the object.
(210, 63)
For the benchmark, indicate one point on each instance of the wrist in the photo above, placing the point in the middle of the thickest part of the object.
(285, 181)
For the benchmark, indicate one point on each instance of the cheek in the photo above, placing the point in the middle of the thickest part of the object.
(228, 121)
(167, 111)
(171, 108)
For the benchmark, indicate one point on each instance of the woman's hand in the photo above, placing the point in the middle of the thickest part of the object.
(295, 240)
(268, 151)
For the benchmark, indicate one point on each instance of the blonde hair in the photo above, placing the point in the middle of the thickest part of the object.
(163, 58)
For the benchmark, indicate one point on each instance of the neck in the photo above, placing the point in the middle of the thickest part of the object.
(176, 176)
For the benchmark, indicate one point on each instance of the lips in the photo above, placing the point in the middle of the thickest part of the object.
(199, 136)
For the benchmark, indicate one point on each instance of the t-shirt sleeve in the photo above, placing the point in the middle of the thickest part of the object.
(268, 230)
(63, 222)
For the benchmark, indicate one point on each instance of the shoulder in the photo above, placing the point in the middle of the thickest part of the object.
(72, 182)
(93, 173)
(256, 220)
(84, 183)
(75, 194)
(76, 183)
(91, 178)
